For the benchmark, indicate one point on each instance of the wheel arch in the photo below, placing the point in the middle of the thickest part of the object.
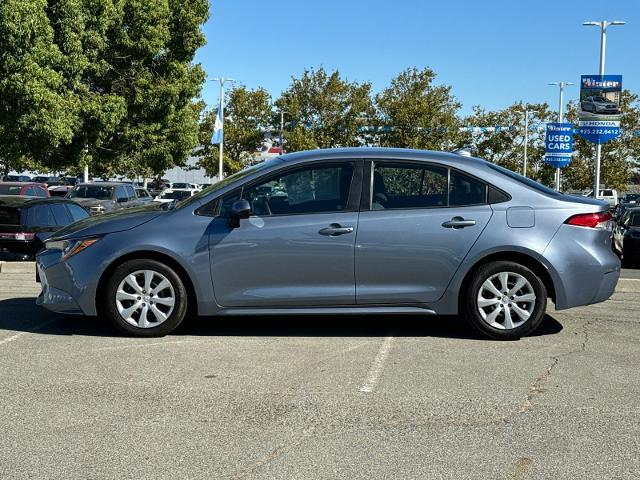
(532, 263)
(192, 303)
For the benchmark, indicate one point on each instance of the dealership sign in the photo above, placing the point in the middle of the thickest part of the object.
(599, 116)
(558, 144)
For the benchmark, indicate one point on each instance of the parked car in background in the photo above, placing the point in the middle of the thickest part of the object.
(341, 231)
(599, 105)
(26, 189)
(103, 197)
(26, 223)
(46, 180)
(626, 236)
(631, 198)
(174, 194)
(143, 195)
(184, 186)
(609, 195)
(16, 178)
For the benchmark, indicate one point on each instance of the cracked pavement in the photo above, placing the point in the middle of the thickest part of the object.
(282, 397)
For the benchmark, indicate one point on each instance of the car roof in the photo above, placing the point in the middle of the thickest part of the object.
(22, 184)
(380, 152)
(19, 201)
(103, 184)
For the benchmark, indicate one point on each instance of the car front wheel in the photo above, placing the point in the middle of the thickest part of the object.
(145, 298)
(504, 300)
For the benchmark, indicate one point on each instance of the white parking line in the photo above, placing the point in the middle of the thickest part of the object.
(377, 366)
(31, 330)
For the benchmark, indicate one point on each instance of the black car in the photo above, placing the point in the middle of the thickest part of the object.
(626, 236)
(25, 223)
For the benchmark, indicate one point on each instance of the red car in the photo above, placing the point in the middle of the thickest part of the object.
(24, 189)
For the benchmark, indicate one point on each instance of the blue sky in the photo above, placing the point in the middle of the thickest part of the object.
(492, 52)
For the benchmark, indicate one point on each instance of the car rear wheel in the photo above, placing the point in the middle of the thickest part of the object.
(504, 300)
(145, 298)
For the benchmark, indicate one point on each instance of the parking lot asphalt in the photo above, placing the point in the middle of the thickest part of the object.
(319, 398)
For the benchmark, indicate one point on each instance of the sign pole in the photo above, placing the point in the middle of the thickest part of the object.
(526, 140)
(221, 162)
(560, 119)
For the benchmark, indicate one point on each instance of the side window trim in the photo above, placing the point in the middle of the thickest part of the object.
(353, 199)
(367, 187)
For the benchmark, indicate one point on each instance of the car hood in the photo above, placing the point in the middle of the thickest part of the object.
(117, 221)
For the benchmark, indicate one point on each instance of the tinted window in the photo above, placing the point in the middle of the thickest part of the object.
(408, 186)
(60, 214)
(40, 216)
(227, 202)
(30, 192)
(130, 192)
(9, 216)
(121, 193)
(99, 192)
(524, 180)
(77, 212)
(41, 192)
(10, 189)
(309, 190)
(466, 190)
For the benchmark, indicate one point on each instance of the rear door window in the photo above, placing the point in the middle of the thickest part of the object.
(60, 214)
(401, 186)
(77, 212)
(40, 216)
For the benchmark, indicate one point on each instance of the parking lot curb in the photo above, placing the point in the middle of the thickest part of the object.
(17, 267)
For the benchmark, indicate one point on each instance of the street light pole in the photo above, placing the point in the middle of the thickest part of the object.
(603, 47)
(222, 80)
(560, 118)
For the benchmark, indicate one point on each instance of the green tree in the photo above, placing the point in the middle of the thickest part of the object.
(105, 82)
(506, 147)
(325, 110)
(248, 115)
(417, 113)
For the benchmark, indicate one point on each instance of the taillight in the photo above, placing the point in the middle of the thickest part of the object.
(591, 220)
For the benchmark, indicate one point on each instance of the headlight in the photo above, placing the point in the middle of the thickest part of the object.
(70, 248)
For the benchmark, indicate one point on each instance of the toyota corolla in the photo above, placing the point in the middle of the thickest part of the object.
(341, 231)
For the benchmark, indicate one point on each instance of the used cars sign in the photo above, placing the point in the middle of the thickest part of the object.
(558, 144)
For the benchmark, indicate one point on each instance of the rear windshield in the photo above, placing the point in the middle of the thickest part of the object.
(524, 180)
(92, 191)
(10, 189)
(176, 195)
(9, 216)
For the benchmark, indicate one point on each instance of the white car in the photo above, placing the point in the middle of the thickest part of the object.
(177, 194)
(607, 194)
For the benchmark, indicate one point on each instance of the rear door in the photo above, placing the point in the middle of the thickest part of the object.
(415, 228)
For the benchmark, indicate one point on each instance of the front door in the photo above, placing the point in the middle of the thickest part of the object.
(297, 248)
(421, 222)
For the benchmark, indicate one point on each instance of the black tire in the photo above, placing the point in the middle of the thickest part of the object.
(471, 310)
(109, 308)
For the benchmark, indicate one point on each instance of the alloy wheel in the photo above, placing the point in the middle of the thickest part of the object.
(506, 300)
(145, 298)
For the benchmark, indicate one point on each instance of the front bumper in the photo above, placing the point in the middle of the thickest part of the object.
(69, 286)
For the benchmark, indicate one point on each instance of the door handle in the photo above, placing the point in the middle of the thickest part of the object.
(335, 229)
(458, 222)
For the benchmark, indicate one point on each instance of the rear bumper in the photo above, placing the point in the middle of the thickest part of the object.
(586, 269)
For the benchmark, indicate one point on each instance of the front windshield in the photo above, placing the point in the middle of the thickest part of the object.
(180, 185)
(230, 179)
(92, 191)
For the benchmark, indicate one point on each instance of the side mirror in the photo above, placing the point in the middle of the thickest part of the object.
(239, 210)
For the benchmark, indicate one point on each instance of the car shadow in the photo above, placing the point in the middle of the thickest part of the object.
(22, 315)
